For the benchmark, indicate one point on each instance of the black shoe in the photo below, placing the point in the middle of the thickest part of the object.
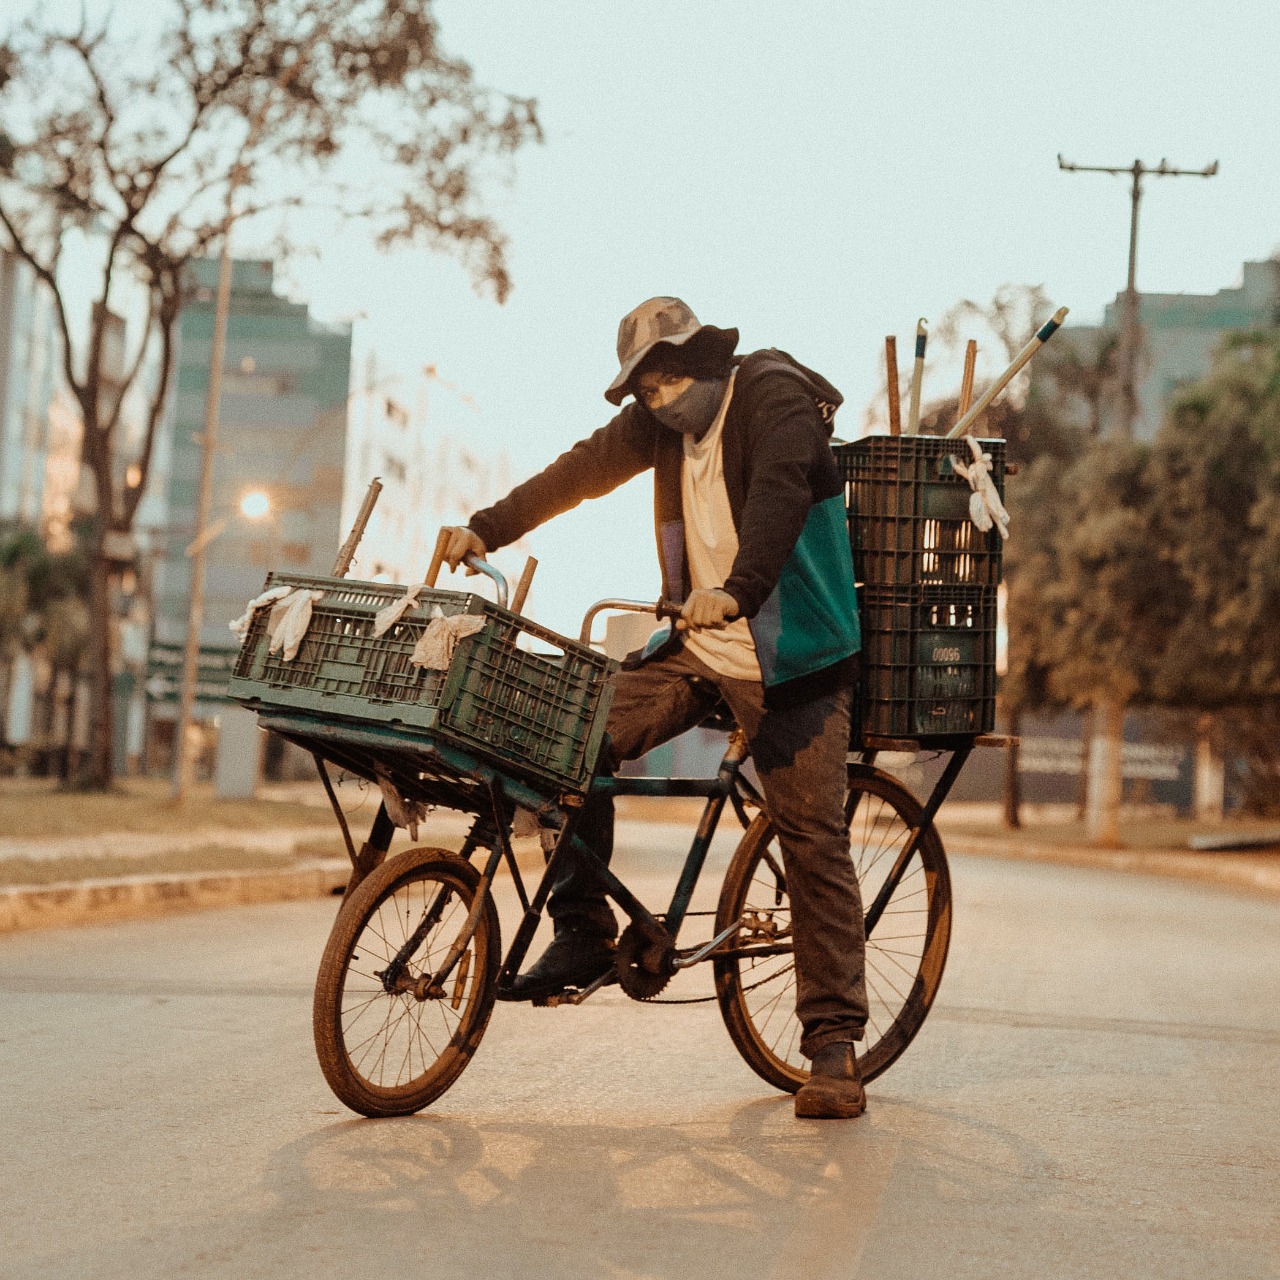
(572, 960)
(834, 1089)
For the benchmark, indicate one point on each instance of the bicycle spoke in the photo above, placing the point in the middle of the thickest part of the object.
(904, 955)
(391, 1038)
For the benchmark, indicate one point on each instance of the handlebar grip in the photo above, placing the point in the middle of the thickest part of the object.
(669, 609)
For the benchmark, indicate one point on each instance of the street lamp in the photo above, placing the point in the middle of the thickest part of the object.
(255, 504)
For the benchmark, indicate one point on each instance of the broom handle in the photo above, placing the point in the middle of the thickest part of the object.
(348, 551)
(437, 558)
(891, 372)
(1047, 330)
(966, 383)
(917, 377)
(522, 587)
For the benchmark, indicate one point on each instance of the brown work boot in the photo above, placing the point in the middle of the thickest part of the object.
(834, 1089)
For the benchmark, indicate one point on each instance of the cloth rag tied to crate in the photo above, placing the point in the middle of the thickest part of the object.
(290, 617)
(985, 507)
(435, 646)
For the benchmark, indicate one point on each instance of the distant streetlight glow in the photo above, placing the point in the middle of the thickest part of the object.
(255, 505)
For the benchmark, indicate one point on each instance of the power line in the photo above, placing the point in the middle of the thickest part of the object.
(1129, 329)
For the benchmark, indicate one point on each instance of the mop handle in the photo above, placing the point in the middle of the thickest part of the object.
(1046, 331)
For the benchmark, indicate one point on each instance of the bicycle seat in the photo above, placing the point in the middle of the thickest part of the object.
(719, 717)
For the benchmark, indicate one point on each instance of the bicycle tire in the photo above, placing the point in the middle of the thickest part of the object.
(757, 995)
(398, 1066)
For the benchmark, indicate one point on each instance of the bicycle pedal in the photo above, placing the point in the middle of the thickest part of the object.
(574, 995)
(555, 1001)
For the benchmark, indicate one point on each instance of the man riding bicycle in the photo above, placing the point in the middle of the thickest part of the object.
(752, 539)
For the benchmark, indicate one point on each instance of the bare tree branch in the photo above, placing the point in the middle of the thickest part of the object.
(47, 274)
(270, 104)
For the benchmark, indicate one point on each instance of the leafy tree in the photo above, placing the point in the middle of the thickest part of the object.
(1215, 468)
(150, 144)
(1040, 444)
(43, 612)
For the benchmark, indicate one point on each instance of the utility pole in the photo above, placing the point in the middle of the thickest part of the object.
(184, 766)
(1129, 327)
(1106, 743)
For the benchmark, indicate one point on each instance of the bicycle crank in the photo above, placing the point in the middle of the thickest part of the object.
(645, 960)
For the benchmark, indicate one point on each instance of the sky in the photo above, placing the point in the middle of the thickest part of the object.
(819, 175)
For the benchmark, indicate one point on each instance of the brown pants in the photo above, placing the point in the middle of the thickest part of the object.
(800, 754)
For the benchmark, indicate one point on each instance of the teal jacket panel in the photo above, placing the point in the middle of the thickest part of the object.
(810, 620)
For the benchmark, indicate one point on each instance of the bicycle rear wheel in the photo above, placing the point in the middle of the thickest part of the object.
(388, 1044)
(906, 951)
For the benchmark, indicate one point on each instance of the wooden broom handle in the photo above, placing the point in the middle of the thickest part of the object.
(522, 587)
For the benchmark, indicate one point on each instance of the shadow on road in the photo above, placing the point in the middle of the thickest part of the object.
(537, 1199)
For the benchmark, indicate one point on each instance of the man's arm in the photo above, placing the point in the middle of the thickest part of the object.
(785, 435)
(593, 467)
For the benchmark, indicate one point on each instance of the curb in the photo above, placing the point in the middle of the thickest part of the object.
(1254, 873)
(83, 902)
(79, 902)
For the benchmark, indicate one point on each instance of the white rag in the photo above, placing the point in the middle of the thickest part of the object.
(242, 624)
(388, 617)
(435, 646)
(402, 812)
(289, 621)
(985, 507)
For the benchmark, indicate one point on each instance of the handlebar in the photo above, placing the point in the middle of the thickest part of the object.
(479, 565)
(483, 566)
(659, 608)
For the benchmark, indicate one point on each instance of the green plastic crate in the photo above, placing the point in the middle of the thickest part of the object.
(516, 695)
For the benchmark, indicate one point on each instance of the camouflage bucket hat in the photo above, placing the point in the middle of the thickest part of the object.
(663, 321)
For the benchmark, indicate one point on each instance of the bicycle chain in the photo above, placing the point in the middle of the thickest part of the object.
(708, 999)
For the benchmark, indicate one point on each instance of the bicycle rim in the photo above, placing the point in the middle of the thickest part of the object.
(905, 953)
(391, 1052)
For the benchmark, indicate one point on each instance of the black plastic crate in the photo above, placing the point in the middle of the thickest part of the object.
(536, 712)
(928, 660)
(909, 512)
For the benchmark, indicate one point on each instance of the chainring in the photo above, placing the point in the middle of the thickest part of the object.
(644, 961)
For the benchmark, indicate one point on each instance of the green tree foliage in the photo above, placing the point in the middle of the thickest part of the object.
(1112, 598)
(43, 595)
(1215, 471)
(146, 139)
(1150, 573)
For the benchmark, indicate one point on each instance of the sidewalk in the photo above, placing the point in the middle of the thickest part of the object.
(1155, 845)
(239, 866)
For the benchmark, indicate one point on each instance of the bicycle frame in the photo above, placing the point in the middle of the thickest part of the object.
(727, 786)
(355, 747)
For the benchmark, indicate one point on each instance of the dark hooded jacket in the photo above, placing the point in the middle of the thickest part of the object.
(793, 575)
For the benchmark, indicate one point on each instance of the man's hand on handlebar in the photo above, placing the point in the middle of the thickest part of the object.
(462, 542)
(707, 608)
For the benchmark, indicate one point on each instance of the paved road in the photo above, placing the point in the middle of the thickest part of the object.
(1094, 1095)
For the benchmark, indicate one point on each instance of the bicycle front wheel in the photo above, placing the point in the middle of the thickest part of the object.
(906, 951)
(390, 1043)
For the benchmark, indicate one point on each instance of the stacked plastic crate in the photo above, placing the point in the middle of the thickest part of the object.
(927, 585)
(516, 695)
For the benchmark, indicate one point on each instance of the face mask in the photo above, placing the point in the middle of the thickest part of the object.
(693, 411)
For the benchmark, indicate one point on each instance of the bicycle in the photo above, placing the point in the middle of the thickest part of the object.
(414, 963)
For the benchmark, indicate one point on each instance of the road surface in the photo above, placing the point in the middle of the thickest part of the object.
(1093, 1095)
